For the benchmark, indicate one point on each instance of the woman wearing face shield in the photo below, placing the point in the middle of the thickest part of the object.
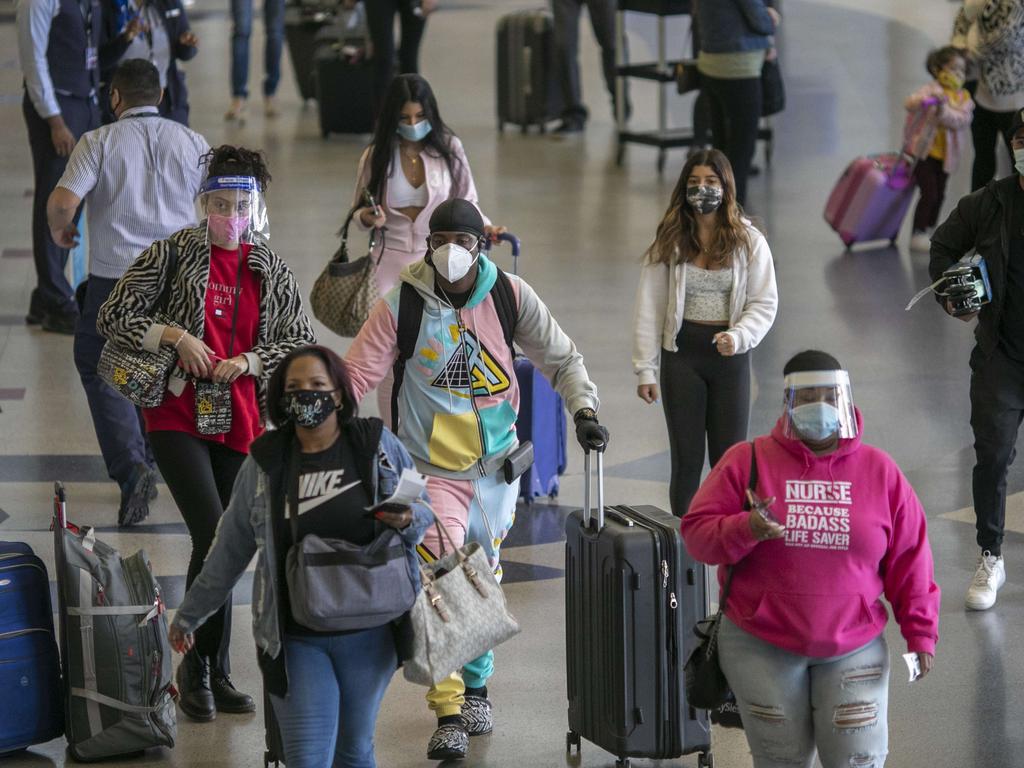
(831, 526)
(414, 164)
(707, 296)
(233, 312)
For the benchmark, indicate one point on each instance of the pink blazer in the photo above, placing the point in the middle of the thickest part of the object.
(954, 120)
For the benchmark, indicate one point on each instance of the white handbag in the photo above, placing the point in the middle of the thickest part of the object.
(459, 614)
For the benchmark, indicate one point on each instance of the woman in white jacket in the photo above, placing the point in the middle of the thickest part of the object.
(707, 296)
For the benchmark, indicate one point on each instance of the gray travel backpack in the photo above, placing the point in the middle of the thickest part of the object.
(119, 698)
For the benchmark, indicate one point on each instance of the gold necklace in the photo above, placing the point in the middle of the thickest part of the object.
(414, 156)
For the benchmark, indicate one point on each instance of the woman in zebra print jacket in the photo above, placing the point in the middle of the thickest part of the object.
(233, 312)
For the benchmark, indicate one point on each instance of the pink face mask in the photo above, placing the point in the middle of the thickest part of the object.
(227, 229)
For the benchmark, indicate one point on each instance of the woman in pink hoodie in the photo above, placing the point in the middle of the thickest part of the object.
(801, 641)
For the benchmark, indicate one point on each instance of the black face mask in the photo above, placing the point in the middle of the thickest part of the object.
(704, 199)
(309, 408)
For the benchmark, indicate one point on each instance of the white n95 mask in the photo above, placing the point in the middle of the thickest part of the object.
(452, 262)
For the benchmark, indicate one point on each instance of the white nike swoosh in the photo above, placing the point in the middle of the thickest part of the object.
(308, 504)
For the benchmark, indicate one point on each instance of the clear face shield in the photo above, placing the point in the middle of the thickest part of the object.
(818, 405)
(234, 210)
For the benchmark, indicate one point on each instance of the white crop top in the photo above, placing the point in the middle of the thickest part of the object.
(707, 294)
(402, 194)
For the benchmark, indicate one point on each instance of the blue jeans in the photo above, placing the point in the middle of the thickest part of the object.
(273, 21)
(118, 423)
(335, 686)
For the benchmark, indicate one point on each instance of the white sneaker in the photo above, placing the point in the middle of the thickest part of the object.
(920, 242)
(989, 577)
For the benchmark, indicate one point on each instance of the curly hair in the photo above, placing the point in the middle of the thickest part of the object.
(939, 58)
(677, 238)
(227, 160)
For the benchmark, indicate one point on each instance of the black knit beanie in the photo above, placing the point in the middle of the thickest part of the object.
(811, 360)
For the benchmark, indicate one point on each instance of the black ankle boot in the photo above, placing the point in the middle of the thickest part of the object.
(194, 687)
(226, 698)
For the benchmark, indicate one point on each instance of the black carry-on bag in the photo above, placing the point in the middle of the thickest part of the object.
(528, 90)
(632, 597)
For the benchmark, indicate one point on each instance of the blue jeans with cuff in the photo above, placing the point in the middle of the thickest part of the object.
(335, 687)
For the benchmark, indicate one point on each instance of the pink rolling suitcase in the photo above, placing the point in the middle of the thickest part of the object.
(871, 198)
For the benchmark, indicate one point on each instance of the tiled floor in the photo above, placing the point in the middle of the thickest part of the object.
(584, 223)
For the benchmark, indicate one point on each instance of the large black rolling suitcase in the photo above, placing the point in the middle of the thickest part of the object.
(344, 90)
(528, 88)
(632, 597)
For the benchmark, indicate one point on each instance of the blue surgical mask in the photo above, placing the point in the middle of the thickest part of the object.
(816, 421)
(416, 132)
(1018, 160)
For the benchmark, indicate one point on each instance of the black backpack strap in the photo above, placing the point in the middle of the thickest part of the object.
(508, 310)
(410, 315)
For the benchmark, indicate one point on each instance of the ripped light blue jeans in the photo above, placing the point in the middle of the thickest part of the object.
(795, 705)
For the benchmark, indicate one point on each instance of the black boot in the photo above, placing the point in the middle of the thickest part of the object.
(226, 697)
(194, 686)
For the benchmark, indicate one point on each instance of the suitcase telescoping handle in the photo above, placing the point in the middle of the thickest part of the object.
(60, 506)
(508, 237)
(588, 479)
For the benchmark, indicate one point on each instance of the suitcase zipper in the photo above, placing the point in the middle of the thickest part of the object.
(24, 565)
(20, 632)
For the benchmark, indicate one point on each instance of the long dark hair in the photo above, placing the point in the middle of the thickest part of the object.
(438, 142)
(678, 227)
(336, 369)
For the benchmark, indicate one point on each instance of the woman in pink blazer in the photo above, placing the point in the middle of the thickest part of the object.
(414, 164)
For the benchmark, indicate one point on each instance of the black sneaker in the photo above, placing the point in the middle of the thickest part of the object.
(569, 128)
(60, 322)
(227, 698)
(135, 496)
(449, 742)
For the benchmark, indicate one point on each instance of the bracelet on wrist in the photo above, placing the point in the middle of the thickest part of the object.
(182, 336)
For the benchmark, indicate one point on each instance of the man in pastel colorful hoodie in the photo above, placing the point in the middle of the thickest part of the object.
(457, 402)
(801, 640)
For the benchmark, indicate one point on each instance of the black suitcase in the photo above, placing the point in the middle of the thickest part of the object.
(528, 90)
(344, 90)
(632, 598)
(274, 753)
(301, 24)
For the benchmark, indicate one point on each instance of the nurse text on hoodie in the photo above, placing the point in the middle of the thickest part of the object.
(855, 530)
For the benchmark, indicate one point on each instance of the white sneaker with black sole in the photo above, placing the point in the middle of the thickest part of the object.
(989, 577)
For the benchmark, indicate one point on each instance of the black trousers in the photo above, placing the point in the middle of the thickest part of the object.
(52, 292)
(931, 180)
(380, 17)
(735, 114)
(997, 407)
(567, 44)
(200, 475)
(118, 423)
(706, 397)
(986, 130)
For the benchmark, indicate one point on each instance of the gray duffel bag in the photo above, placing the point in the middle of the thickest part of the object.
(114, 647)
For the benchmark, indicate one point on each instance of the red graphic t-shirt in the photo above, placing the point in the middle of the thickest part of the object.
(178, 414)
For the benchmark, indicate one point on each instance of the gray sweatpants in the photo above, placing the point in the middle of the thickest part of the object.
(792, 705)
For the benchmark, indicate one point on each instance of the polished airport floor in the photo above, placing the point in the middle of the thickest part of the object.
(584, 224)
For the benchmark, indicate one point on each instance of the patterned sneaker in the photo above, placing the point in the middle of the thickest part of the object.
(449, 742)
(989, 577)
(476, 714)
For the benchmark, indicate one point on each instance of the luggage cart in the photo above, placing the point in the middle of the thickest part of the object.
(661, 72)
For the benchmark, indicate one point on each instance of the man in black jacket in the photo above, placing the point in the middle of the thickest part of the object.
(991, 222)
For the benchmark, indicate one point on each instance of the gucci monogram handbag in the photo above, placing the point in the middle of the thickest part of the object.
(458, 615)
(346, 291)
(141, 376)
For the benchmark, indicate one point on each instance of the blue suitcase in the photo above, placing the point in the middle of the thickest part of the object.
(541, 418)
(31, 702)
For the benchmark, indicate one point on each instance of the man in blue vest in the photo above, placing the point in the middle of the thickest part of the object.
(58, 46)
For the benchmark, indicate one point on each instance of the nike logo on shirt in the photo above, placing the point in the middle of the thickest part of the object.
(316, 488)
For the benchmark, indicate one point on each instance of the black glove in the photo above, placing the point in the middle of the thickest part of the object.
(590, 435)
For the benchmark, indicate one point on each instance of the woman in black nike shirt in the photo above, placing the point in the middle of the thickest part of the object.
(325, 687)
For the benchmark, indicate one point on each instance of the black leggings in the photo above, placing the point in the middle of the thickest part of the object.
(988, 130)
(200, 475)
(380, 17)
(703, 393)
(735, 116)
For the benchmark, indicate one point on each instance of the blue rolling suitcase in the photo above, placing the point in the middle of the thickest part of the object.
(31, 703)
(541, 418)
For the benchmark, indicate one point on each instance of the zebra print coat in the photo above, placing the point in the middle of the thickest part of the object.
(126, 318)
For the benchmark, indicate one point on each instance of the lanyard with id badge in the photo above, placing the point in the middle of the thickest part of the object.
(92, 54)
(213, 399)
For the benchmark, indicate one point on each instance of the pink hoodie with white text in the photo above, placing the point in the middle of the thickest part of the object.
(855, 530)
